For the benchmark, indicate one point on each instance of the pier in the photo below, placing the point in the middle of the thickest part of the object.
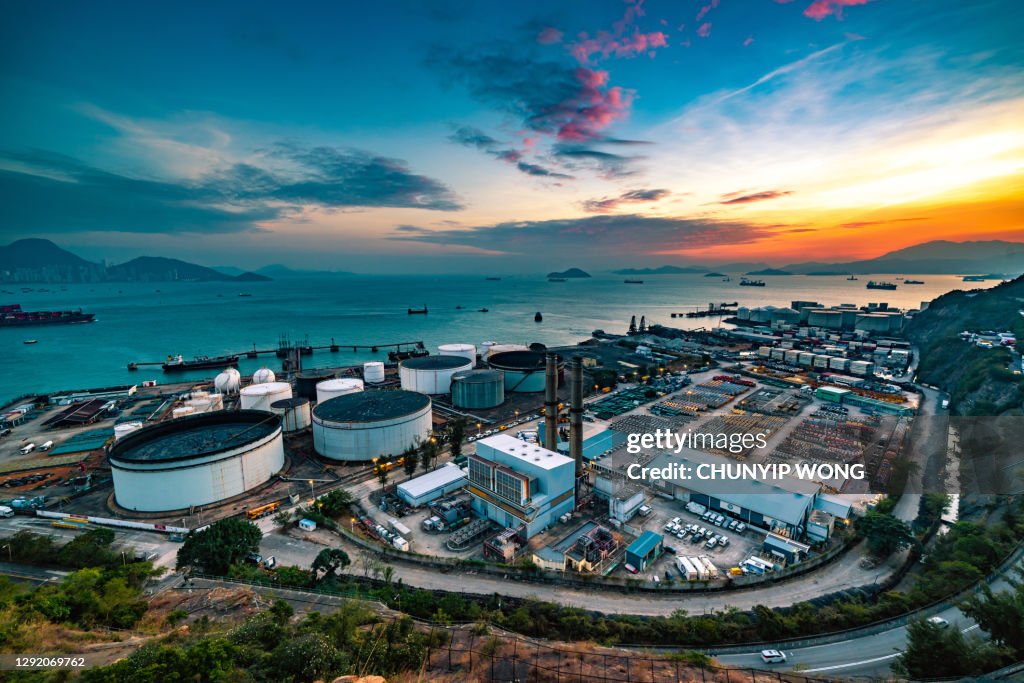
(286, 348)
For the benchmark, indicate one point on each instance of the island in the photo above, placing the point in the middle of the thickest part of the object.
(714, 275)
(662, 270)
(572, 272)
(769, 271)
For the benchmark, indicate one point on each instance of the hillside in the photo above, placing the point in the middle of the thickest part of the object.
(980, 381)
(938, 256)
(572, 272)
(39, 260)
(160, 269)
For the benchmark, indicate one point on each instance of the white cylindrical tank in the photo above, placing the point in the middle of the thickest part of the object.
(196, 460)
(228, 382)
(260, 396)
(263, 376)
(123, 429)
(295, 413)
(431, 374)
(371, 424)
(467, 351)
(505, 348)
(332, 388)
(373, 372)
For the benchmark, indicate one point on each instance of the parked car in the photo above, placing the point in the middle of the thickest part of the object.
(723, 541)
(711, 543)
(741, 527)
(669, 549)
(631, 569)
(732, 524)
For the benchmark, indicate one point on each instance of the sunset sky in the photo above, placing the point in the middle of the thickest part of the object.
(454, 136)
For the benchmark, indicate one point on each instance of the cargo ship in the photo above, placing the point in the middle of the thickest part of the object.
(913, 282)
(11, 315)
(633, 282)
(751, 283)
(881, 285)
(179, 364)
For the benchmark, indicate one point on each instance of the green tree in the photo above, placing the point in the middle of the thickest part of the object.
(930, 509)
(935, 651)
(220, 545)
(1000, 614)
(335, 503)
(283, 519)
(429, 450)
(329, 562)
(456, 435)
(409, 461)
(885, 534)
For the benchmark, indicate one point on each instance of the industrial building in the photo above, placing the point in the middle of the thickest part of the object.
(197, 460)
(524, 370)
(478, 389)
(587, 548)
(432, 485)
(782, 504)
(517, 484)
(432, 374)
(644, 551)
(370, 424)
(597, 440)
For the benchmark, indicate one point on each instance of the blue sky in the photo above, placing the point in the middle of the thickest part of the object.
(426, 134)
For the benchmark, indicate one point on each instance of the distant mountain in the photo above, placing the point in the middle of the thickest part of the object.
(278, 270)
(937, 257)
(572, 272)
(39, 260)
(228, 270)
(769, 271)
(160, 269)
(663, 270)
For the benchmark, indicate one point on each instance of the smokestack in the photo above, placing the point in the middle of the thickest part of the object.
(576, 414)
(551, 402)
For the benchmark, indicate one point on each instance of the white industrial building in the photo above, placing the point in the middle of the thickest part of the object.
(432, 485)
(371, 424)
(197, 460)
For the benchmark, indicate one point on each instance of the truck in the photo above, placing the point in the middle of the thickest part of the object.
(686, 568)
(46, 446)
(6, 511)
(28, 448)
(400, 543)
(711, 569)
(696, 508)
(398, 527)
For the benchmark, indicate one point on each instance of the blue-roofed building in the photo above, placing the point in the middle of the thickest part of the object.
(642, 552)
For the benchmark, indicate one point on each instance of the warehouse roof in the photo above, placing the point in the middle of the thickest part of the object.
(431, 481)
(371, 406)
(642, 546)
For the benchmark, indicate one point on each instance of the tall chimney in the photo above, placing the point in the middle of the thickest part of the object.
(576, 414)
(551, 402)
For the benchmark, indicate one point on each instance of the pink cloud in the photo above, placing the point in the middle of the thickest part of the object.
(705, 29)
(706, 8)
(748, 41)
(819, 9)
(549, 36)
(624, 40)
(595, 106)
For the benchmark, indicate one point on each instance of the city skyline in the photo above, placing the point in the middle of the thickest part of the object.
(628, 133)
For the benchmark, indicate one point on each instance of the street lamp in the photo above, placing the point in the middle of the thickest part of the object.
(311, 494)
(478, 427)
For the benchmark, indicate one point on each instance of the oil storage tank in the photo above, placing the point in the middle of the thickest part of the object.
(196, 460)
(467, 351)
(524, 370)
(306, 381)
(431, 374)
(370, 424)
(478, 389)
(373, 372)
(260, 396)
(333, 388)
(295, 413)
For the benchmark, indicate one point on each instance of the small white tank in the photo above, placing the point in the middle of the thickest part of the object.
(373, 372)
(123, 429)
(467, 351)
(333, 388)
(227, 382)
(263, 375)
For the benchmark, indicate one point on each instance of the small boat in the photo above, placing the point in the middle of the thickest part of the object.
(913, 282)
(458, 308)
(418, 311)
(852, 277)
(633, 282)
(245, 294)
(493, 279)
(557, 279)
(30, 341)
(537, 317)
(899, 278)
(726, 279)
(484, 310)
(974, 278)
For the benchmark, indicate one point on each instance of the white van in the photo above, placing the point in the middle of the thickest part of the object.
(6, 511)
(28, 448)
(46, 446)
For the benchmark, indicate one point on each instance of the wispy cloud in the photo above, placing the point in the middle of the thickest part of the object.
(748, 198)
(608, 204)
(819, 9)
(469, 136)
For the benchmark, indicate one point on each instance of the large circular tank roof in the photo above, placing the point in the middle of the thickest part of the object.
(195, 436)
(478, 376)
(520, 360)
(371, 406)
(435, 363)
(290, 402)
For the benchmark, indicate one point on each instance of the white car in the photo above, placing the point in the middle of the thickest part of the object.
(938, 621)
(773, 656)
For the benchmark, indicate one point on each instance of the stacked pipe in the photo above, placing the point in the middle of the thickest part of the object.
(576, 414)
(551, 402)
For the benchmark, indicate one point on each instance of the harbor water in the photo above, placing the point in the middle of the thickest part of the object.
(149, 321)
